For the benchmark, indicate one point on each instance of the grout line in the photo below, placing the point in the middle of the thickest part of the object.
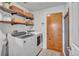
(39, 52)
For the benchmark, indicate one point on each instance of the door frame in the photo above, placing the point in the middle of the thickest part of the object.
(62, 30)
(67, 15)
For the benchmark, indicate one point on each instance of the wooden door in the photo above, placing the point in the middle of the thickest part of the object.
(54, 32)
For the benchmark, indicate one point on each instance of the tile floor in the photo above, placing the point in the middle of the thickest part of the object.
(47, 52)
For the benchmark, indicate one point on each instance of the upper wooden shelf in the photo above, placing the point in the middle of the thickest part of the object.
(15, 10)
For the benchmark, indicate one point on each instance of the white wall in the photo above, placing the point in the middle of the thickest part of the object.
(40, 21)
(75, 29)
(20, 6)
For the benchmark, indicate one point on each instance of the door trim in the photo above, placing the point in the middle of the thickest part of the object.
(67, 15)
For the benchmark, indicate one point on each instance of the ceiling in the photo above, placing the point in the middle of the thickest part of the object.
(35, 6)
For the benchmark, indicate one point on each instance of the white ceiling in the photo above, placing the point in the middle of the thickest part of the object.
(35, 6)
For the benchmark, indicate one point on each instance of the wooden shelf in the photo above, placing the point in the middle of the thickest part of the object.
(13, 23)
(21, 12)
(5, 21)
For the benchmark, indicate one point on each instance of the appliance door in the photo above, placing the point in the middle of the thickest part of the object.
(38, 40)
(15, 46)
(29, 46)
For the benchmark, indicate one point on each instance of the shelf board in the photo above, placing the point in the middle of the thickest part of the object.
(29, 24)
(5, 21)
(13, 23)
(6, 9)
(21, 12)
